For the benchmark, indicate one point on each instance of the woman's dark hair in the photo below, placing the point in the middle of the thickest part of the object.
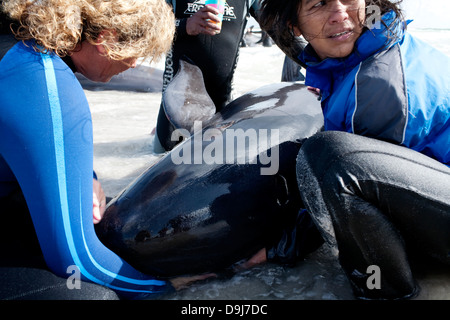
(281, 16)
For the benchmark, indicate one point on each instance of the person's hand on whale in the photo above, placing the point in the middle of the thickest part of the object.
(99, 205)
(258, 258)
(184, 282)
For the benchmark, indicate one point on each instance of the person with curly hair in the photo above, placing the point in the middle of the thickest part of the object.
(377, 180)
(46, 145)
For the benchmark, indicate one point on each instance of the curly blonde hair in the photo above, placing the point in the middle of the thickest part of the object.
(136, 28)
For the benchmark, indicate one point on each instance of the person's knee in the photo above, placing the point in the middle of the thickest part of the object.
(320, 154)
(326, 146)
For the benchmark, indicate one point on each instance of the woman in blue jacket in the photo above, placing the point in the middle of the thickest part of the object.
(377, 180)
(46, 144)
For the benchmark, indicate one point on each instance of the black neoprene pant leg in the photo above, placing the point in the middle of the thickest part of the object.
(377, 201)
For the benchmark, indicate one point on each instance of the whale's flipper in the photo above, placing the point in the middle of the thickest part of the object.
(185, 99)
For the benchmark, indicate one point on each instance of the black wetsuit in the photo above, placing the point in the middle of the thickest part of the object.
(47, 226)
(215, 55)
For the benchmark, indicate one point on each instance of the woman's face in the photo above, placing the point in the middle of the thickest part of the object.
(332, 26)
(92, 62)
(106, 68)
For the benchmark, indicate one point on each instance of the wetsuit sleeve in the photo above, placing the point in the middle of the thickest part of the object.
(49, 148)
(180, 24)
(181, 27)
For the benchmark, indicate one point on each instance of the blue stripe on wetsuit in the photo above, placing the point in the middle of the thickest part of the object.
(76, 243)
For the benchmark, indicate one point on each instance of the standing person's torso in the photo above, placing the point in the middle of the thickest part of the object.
(214, 55)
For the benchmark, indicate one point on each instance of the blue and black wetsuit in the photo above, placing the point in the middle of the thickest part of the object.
(46, 150)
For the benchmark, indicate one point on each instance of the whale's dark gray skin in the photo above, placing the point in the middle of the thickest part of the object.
(188, 218)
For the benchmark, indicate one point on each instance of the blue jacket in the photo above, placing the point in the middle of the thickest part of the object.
(46, 147)
(393, 87)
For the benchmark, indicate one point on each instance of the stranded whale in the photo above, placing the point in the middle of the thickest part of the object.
(223, 193)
